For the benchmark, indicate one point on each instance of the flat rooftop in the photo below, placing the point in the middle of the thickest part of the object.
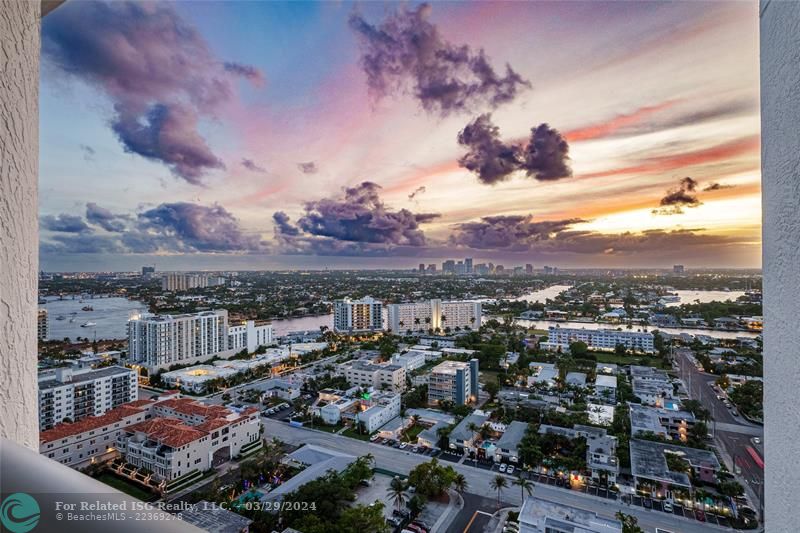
(539, 514)
(82, 376)
(450, 367)
(648, 460)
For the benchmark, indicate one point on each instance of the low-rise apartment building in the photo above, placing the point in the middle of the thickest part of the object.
(538, 515)
(185, 435)
(93, 439)
(559, 339)
(455, 381)
(601, 452)
(373, 375)
(67, 394)
(658, 421)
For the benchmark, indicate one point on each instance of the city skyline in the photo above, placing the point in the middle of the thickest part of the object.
(321, 135)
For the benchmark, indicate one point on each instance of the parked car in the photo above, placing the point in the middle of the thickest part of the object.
(667, 507)
(374, 438)
(503, 467)
(403, 445)
(734, 412)
(700, 515)
(421, 524)
(415, 449)
(510, 469)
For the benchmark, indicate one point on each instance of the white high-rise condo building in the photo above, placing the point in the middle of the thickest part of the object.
(599, 339)
(357, 316)
(433, 315)
(250, 336)
(75, 395)
(158, 341)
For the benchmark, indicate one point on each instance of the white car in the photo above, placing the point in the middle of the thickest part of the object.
(503, 467)
(667, 507)
(403, 446)
(510, 469)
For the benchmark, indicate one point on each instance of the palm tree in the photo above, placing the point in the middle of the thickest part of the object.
(460, 484)
(397, 492)
(524, 486)
(498, 484)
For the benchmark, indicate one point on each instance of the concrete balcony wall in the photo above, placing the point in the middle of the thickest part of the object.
(780, 175)
(19, 227)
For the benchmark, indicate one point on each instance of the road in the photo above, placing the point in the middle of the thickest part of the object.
(478, 479)
(732, 433)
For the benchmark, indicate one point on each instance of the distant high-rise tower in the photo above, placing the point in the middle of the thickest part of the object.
(468, 265)
(421, 267)
(678, 269)
(42, 327)
(147, 271)
(449, 267)
(529, 268)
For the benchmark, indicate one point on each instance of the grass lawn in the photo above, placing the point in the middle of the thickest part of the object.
(488, 375)
(410, 435)
(128, 487)
(604, 357)
(324, 427)
(353, 434)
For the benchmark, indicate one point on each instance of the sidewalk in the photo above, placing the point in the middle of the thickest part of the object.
(455, 506)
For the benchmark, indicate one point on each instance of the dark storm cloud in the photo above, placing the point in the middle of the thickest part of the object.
(547, 154)
(684, 195)
(355, 222)
(308, 168)
(544, 157)
(416, 192)
(488, 157)
(88, 152)
(518, 232)
(156, 69)
(188, 227)
(252, 166)
(169, 134)
(407, 49)
(64, 223)
(100, 216)
(283, 226)
(714, 186)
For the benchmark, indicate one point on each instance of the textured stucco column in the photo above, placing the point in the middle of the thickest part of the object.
(780, 152)
(19, 234)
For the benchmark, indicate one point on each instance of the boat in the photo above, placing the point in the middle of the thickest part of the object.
(87, 308)
(61, 317)
(88, 325)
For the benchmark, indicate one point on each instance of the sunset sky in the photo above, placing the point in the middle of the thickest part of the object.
(202, 135)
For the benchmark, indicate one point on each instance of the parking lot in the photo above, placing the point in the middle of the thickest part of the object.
(410, 448)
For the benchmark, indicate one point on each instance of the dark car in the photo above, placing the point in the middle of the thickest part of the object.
(700, 515)
(421, 524)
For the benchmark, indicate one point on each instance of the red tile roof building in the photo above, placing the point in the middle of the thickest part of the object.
(170, 436)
